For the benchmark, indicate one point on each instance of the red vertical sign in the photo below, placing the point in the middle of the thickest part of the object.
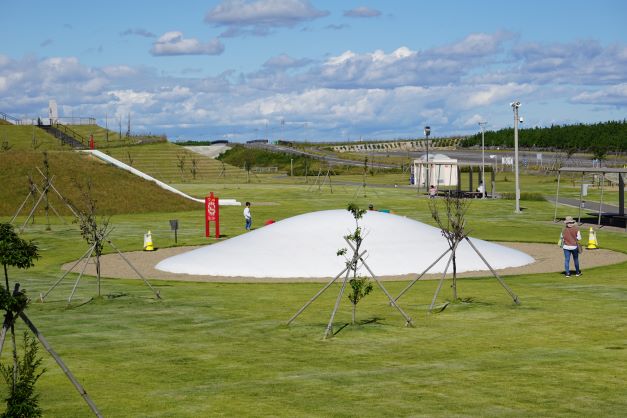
(92, 144)
(212, 214)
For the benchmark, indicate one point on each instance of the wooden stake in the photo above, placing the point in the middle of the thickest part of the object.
(156, 292)
(61, 364)
(329, 329)
(511, 293)
(422, 274)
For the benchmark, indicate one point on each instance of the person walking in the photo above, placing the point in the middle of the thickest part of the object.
(248, 217)
(570, 244)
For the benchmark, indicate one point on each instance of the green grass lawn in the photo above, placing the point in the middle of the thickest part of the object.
(163, 161)
(28, 138)
(217, 349)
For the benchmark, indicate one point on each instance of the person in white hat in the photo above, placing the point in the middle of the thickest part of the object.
(570, 239)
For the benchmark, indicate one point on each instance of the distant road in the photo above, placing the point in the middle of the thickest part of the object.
(331, 160)
(464, 156)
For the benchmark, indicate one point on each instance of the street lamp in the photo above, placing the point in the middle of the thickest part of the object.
(427, 133)
(482, 126)
(515, 106)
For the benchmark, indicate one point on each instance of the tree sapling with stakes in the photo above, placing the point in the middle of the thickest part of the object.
(360, 285)
(452, 226)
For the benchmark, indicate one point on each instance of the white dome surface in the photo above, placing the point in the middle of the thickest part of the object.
(306, 246)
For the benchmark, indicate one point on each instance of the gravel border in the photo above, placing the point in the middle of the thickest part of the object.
(549, 259)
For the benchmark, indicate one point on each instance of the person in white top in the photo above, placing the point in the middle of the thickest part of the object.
(248, 217)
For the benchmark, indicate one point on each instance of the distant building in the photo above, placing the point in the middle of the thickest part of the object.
(442, 171)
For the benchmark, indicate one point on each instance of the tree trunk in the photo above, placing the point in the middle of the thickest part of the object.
(454, 285)
(354, 309)
(98, 272)
(15, 363)
(6, 277)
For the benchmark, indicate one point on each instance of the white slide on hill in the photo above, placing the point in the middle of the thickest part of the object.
(120, 164)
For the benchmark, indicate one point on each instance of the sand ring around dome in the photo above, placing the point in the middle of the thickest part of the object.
(302, 248)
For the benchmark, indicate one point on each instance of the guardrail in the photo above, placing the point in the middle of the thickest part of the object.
(9, 118)
(72, 120)
(71, 132)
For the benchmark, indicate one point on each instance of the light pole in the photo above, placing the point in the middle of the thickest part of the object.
(515, 106)
(427, 133)
(482, 125)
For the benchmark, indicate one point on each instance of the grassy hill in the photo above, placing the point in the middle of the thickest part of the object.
(115, 190)
(106, 138)
(25, 137)
(172, 163)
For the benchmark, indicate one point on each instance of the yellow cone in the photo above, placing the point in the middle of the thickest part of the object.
(148, 242)
(592, 240)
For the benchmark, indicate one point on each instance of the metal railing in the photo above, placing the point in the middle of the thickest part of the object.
(72, 120)
(71, 132)
(9, 118)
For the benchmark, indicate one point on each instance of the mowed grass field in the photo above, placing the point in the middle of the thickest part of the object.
(220, 349)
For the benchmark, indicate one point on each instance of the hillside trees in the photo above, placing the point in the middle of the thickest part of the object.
(600, 139)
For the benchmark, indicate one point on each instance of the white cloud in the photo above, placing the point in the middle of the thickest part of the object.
(284, 61)
(138, 32)
(116, 71)
(258, 17)
(173, 43)
(475, 45)
(378, 92)
(487, 95)
(362, 12)
(612, 95)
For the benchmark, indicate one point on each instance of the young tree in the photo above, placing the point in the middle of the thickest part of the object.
(194, 168)
(45, 186)
(22, 400)
(93, 230)
(360, 285)
(16, 252)
(360, 288)
(452, 225)
(181, 163)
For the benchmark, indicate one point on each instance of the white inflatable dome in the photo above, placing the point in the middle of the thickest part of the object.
(306, 246)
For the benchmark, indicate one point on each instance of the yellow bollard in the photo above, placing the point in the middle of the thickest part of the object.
(592, 240)
(148, 242)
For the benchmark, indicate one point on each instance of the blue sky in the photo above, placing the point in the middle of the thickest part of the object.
(315, 70)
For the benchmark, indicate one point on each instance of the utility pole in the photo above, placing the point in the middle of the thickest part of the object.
(515, 106)
(128, 129)
(482, 126)
(427, 133)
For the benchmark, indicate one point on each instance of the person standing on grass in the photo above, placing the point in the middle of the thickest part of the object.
(433, 192)
(248, 217)
(570, 239)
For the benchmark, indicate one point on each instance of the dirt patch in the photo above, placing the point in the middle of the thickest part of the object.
(549, 258)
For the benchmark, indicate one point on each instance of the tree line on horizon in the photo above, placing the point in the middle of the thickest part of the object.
(600, 139)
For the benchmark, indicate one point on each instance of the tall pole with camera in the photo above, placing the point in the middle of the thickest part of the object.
(427, 133)
(515, 106)
(482, 125)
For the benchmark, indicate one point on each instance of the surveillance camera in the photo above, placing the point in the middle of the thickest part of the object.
(522, 119)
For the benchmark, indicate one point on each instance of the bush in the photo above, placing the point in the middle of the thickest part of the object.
(529, 196)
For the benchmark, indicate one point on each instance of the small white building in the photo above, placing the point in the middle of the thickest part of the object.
(442, 171)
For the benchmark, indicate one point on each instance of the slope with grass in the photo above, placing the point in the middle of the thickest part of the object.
(172, 163)
(106, 138)
(116, 191)
(28, 138)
